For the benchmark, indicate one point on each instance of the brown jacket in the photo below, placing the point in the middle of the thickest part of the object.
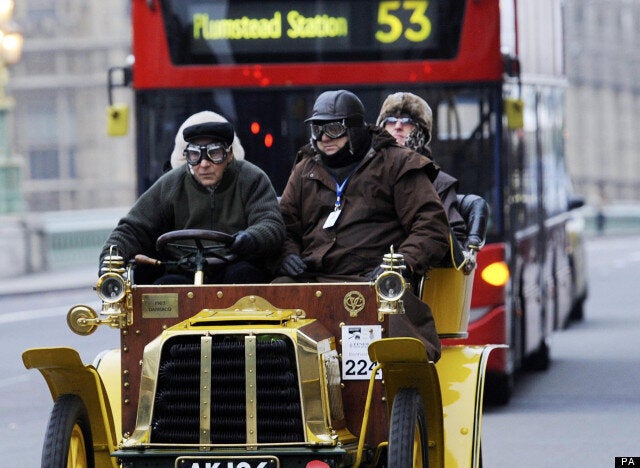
(388, 200)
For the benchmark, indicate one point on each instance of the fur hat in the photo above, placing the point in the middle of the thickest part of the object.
(177, 156)
(409, 104)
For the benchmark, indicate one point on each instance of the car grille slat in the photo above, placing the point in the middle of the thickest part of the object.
(176, 414)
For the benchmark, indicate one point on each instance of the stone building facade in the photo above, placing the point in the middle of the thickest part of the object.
(603, 101)
(58, 123)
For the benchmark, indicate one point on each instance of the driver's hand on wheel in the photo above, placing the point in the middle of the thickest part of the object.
(244, 243)
(293, 265)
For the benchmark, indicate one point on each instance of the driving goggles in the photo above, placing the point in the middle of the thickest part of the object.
(333, 130)
(395, 120)
(215, 152)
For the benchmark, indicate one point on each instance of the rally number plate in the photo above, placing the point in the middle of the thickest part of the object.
(227, 462)
(356, 339)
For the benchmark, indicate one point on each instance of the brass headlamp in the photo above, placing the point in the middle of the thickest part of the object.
(391, 285)
(115, 293)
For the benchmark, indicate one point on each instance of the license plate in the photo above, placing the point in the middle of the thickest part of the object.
(227, 462)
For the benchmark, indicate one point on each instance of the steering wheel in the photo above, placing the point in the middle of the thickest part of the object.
(198, 255)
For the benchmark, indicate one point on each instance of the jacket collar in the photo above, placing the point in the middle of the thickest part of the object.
(381, 138)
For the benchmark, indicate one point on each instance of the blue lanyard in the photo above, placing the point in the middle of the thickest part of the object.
(339, 190)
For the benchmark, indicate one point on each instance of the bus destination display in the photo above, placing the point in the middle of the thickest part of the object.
(256, 31)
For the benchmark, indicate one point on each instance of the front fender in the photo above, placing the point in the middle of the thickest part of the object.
(461, 371)
(404, 363)
(452, 391)
(65, 373)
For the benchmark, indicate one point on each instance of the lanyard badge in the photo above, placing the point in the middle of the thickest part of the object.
(332, 219)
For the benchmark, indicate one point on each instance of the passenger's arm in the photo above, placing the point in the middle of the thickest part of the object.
(290, 209)
(449, 200)
(139, 229)
(475, 211)
(423, 218)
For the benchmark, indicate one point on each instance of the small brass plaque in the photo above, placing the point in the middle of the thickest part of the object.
(160, 305)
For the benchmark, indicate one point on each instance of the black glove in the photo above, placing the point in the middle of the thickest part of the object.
(473, 241)
(244, 243)
(377, 271)
(293, 265)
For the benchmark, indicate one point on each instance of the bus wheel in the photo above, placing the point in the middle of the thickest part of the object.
(498, 388)
(68, 442)
(540, 359)
(408, 444)
(577, 312)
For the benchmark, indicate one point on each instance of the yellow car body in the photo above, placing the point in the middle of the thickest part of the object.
(118, 391)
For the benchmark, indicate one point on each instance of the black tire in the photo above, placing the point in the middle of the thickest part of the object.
(540, 359)
(408, 443)
(68, 442)
(577, 311)
(498, 388)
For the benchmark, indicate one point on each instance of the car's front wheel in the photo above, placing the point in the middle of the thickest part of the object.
(408, 444)
(68, 442)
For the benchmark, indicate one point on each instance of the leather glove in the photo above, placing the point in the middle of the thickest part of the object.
(473, 241)
(293, 265)
(244, 243)
(377, 271)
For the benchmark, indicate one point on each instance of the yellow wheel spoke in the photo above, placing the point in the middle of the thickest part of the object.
(77, 457)
(417, 449)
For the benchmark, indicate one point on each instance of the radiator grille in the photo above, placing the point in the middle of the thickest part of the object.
(176, 415)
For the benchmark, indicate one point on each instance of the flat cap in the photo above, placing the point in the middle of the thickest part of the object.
(217, 131)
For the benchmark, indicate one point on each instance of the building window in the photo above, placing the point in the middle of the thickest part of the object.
(44, 164)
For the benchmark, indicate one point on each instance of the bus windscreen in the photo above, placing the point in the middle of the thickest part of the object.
(254, 31)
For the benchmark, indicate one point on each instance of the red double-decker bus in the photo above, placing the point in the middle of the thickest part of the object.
(491, 71)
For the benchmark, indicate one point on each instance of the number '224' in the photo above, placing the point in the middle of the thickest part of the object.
(360, 367)
(419, 27)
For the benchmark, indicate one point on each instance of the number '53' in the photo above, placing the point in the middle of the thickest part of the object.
(418, 29)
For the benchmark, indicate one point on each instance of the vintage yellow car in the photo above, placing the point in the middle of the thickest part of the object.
(266, 375)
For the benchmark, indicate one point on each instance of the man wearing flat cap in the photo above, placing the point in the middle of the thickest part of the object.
(212, 191)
